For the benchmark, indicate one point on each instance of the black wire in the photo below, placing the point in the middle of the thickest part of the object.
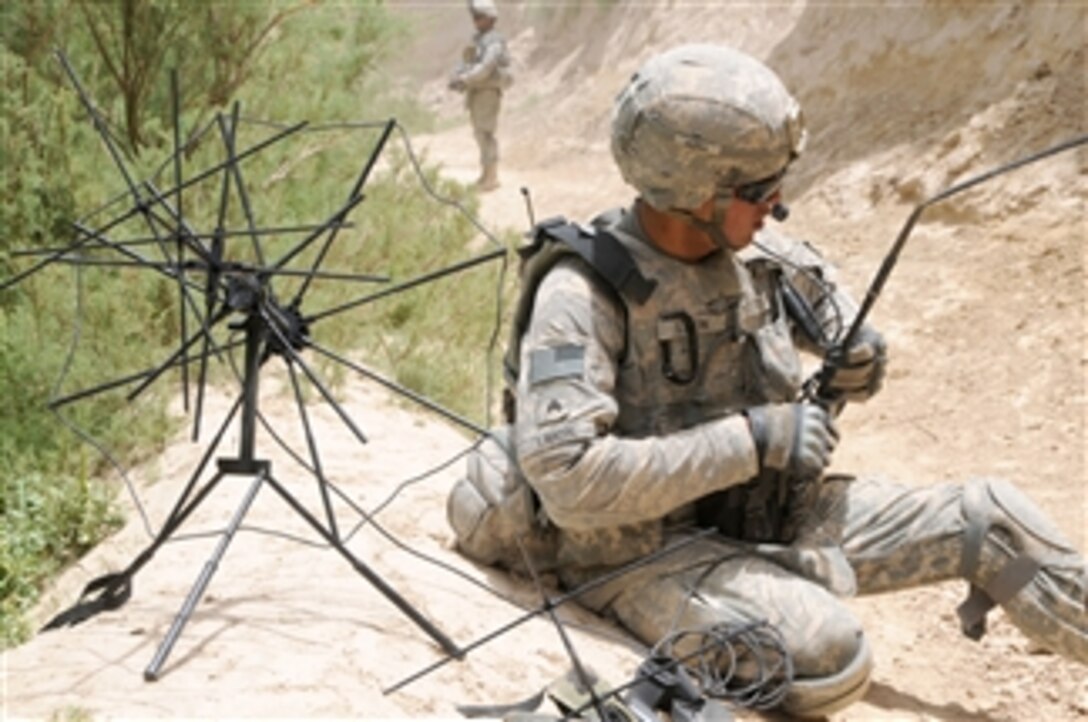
(77, 333)
(827, 294)
(493, 341)
(723, 649)
(718, 659)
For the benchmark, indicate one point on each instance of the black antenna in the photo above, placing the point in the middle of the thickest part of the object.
(175, 108)
(584, 678)
(818, 384)
(238, 299)
(553, 604)
(529, 206)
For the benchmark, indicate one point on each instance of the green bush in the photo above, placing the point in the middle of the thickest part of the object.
(49, 521)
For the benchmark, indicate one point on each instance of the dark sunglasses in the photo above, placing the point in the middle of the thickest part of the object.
(760, 191)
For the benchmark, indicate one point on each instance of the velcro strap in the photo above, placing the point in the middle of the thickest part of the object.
(972, 612)
(1013, 577)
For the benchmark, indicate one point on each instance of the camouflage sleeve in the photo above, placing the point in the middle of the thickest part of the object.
(482, 72)
(586, 475)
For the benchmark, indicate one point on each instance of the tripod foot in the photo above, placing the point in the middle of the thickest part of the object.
(114, 590)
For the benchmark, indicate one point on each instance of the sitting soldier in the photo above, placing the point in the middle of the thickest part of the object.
(666, 398)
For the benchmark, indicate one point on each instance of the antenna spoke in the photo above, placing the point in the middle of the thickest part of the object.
(356, 192)
(549, 606)
(100, 126)
(239, 184)
(253, 149)
(402, 390)
(417, 281)
(558, 601)
(60, 401)
(175, 108)
(335, 221)
(76, 245)
(188, 235)
(205, 333)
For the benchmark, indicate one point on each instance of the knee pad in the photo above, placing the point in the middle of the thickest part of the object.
(1015, 557)
(815, 697)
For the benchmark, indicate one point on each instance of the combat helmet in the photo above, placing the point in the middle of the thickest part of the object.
(701, 118)
(483, 7)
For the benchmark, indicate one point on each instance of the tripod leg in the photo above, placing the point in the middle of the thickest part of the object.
(371, 576)
(152, 672)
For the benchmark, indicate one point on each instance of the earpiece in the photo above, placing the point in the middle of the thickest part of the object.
(780, 212)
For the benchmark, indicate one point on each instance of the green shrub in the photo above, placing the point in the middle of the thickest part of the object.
(49, 521)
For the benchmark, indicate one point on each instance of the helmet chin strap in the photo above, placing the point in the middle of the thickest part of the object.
(713, 227)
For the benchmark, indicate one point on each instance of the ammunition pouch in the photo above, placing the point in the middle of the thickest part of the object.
(756, 511)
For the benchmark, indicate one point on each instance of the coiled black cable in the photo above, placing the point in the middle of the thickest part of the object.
(747, 665)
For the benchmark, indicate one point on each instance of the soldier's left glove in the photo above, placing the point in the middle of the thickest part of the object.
(861, 373)
(795, 438)
(456, 84)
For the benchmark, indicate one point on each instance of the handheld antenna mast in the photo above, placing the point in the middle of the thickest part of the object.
(835, 355)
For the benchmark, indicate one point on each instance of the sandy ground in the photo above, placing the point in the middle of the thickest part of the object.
(985, 315)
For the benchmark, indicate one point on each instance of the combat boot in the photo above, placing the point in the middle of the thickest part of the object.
(489, 179)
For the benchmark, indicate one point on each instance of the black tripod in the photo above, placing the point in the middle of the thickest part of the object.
(268, 330)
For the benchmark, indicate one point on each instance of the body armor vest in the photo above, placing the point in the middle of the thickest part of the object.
(703, 341)
(713, 340)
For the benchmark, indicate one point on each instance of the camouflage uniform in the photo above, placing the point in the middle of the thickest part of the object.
(484, 75)
(631, 415)
(618, 453)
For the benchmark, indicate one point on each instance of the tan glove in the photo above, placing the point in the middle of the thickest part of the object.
(861, 374)
(795, 438)
(457, 84)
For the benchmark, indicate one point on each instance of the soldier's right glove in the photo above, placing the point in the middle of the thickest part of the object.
(795, 438)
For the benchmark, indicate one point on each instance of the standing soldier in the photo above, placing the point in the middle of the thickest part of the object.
(483, 74)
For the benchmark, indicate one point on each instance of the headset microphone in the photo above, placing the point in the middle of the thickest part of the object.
(780, 212)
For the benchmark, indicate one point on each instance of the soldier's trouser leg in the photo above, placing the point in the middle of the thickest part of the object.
(712, 582)
(483, 107)
(986, 532)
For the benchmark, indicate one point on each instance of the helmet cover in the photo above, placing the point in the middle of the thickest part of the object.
(701, 118)
(483, 7)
